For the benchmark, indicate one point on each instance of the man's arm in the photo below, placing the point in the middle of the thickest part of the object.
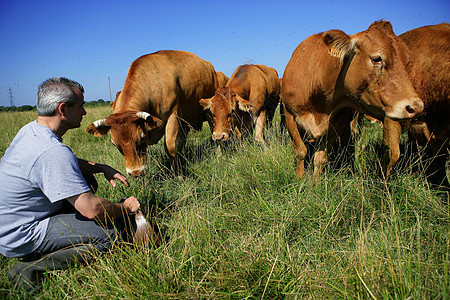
(96, 208)
(110, 173)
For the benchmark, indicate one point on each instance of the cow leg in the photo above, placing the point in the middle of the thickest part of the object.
(320, 159)
(436, 171)
(171, 136)
(354, 126)
(243, 125)
(182, 136)
(339, 125)
(391, 138)
(283, 119)
(271, 108)
(300, 149)
(260, 124)
(238, 133)
(184, 129)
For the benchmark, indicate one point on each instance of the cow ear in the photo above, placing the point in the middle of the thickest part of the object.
(383, 25)
(339, 43)
(98, 128)
(335, 37)
(205, 103)
(243, 104)
(154, 122)
(151, 121)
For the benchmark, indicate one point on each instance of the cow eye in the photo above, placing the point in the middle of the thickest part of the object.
(376, 60)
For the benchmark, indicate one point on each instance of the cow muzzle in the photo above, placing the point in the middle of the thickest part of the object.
(220, 136)
(136, 171)
(405, 109)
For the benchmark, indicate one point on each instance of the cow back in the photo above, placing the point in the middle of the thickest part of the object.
(256, 82)
(167, 80)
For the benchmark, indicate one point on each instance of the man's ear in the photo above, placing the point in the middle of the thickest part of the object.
(61, 109)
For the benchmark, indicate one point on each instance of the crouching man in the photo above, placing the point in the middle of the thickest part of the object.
(40, 177)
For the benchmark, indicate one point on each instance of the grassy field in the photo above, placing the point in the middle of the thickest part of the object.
(241, 226)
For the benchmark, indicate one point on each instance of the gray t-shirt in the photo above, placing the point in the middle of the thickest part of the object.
(36, 173)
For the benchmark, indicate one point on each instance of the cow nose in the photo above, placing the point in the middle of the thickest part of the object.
(405, 109)
(415, 108)
(219, 136)
(135, 172)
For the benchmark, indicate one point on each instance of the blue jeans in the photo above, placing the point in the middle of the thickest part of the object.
(72, 229)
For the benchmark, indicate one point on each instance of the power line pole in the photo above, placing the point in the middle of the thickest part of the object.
(11, 96)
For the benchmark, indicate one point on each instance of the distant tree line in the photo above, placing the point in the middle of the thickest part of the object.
(17, 108)
(99, 102)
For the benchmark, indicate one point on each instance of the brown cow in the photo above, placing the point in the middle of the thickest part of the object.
(160, 96)
(331, 73)
(252, 92)
(430, 72)
(222, 79)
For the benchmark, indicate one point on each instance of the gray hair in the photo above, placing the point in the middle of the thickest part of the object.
(54, 91)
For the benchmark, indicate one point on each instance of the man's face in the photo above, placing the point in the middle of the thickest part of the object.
(75, 114)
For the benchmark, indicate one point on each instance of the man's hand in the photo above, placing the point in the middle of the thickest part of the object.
(131, 204)
(97, 208)
(111, 174)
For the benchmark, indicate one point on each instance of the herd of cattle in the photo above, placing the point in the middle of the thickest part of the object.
(402, 81)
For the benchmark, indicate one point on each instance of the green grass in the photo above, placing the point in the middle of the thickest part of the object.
(241, 226)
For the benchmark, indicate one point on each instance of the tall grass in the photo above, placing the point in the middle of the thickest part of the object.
(241, 226)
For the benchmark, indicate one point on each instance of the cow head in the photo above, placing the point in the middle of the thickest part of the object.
(129, 133)
(226, 108)
(374, 72)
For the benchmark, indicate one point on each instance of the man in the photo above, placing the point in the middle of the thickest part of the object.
(38, 175)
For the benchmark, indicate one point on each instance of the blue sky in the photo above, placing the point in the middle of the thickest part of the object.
(94, 42)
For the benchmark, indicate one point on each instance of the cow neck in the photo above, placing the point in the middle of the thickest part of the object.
(130, 106)
(340, 81)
